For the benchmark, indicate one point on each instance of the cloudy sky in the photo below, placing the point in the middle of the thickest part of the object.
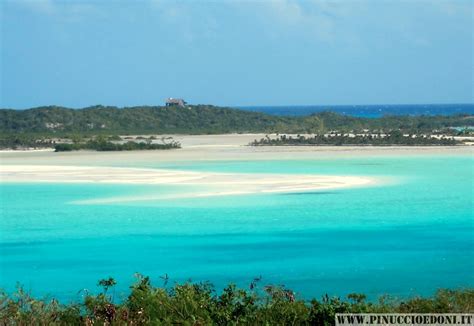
(282, 52)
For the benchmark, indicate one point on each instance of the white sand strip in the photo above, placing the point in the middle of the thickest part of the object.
(209, 183)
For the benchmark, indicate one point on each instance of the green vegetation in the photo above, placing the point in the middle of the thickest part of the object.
(48, 126)
(205, 119)
(394, 138)
(78, 142)
(109, 146)
(102, 144)
(19, 141)
(200, 119)
(198, 304)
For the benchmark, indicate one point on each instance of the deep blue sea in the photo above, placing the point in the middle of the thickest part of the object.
(405, 237)
(366, 111)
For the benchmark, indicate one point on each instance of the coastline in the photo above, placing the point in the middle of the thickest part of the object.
(209, 183)
(133, 167)
(219, 147)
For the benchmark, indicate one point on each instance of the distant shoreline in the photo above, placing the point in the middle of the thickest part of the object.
(170, 167)
(234, 146)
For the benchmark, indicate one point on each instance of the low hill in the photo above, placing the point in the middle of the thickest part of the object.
(202, 119)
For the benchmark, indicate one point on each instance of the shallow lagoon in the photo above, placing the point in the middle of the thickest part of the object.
(410, 235)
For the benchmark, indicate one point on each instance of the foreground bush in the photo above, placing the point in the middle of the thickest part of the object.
(198, 304)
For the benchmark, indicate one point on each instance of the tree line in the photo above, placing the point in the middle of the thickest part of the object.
(391, 139)
(78, 142)
(101, 144)
(25, 141)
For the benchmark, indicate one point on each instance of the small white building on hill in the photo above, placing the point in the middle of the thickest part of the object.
(175, 102)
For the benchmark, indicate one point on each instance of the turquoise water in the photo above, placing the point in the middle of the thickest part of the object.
(410, 235)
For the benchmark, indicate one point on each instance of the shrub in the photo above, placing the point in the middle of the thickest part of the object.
(198, 304)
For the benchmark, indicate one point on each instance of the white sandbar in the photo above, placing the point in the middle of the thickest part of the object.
(212, 184)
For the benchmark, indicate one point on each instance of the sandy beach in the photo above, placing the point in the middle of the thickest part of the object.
(121, 167)
(218, 147)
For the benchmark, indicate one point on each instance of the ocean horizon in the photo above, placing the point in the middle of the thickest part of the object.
(365, 111)
(357, 110)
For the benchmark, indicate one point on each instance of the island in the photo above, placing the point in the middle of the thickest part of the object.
(107, 128)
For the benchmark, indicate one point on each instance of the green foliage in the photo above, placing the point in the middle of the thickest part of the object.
(107, 283)
(393, 138)
(24, 141)
(114, 138)
(101, 143)
(200, 119)
(204, 119)
(198, 304)
(41, 127)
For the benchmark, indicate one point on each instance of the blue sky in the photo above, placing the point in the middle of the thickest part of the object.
(124, 53)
